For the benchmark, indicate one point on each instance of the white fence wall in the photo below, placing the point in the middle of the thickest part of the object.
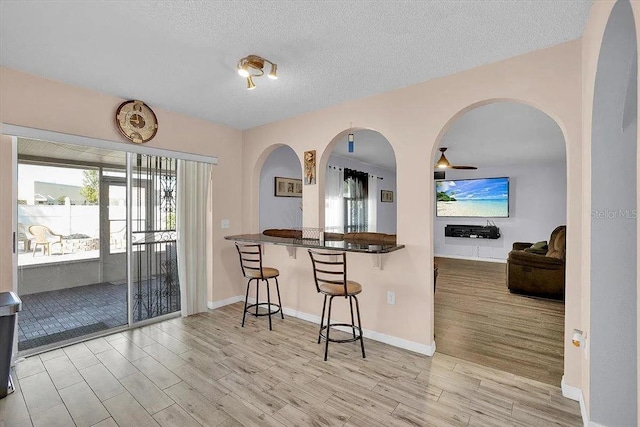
(62, 219)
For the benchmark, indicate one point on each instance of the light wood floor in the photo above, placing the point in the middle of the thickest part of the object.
(206, 370)
(477, 319)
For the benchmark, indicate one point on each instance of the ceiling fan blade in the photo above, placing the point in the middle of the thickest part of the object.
(464, 167)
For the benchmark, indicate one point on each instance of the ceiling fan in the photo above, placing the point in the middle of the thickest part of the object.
(443, 163)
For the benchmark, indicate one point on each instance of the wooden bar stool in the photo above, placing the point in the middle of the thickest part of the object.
(252, 269)
(330, 275)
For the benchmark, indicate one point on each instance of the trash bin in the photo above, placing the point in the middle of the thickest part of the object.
(10, 305)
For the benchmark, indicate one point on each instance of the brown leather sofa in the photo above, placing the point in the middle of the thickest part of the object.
(538, 272)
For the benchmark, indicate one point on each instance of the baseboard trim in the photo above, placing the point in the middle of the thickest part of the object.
(570, 392)
(575, 393)
(425, 349)
(472, 258)
(212, 305)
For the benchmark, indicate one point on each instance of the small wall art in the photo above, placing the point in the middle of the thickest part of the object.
(287, 187)
(386, 196)
(310, 167)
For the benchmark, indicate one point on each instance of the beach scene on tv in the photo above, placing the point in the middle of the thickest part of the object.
(485, 197)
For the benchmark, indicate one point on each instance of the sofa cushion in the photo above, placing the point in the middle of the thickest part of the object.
(557, 244)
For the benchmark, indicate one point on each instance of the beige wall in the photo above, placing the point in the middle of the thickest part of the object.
(413, 119)
(31, 101)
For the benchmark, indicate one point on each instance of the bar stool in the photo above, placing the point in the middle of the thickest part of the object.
(252, 269)
(330, 275)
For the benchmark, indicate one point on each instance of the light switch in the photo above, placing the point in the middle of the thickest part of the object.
(225, 223)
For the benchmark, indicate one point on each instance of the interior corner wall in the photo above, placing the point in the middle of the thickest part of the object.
(537, 205)
(386, 211)
(36, 102)
(279, 212)
(614, 232)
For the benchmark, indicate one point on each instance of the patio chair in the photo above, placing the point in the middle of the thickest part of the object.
(24, 237)
(45, 237)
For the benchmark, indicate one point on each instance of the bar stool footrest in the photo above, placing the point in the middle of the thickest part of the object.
(264, 304)
(348, 325)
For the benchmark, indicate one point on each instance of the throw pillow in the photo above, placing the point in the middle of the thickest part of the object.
(539, 245)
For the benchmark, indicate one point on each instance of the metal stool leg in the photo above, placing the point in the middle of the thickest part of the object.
(246, 299)
(279, 300)
(360, 326)
(326, 346)
(257, 294)
(324, 306)
(269, 304)
(353, 323)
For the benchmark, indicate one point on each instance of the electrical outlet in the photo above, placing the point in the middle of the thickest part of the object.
(225, 223)
(391, 297)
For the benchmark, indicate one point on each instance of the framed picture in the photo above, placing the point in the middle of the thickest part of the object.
(386, 196)
(287, 187)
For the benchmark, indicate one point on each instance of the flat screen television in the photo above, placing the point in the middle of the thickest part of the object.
(473, 198)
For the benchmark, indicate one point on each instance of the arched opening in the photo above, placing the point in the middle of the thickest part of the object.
(500, 285)
(280, 190)
(613, 310)
(359, 183)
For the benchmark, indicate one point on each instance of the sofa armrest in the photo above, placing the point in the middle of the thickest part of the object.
(535, 260)
(519, 246)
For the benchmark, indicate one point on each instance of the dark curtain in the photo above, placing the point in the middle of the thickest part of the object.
(355, 201)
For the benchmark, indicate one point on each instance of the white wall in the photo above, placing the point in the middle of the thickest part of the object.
(279, 212)
(387, 215)
(537, 205)
(614, 230)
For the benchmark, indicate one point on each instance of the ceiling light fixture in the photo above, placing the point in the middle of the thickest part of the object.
(253, 66)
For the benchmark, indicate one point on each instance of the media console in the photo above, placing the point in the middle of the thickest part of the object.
(472, 231)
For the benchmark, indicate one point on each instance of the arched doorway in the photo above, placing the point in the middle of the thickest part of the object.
(519, 189)
(360, 183)
(280, 190)
(613, 309)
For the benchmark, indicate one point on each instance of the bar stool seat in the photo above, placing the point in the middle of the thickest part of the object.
(330, 276)
(267, 273)
(353, 288)
(252, 269)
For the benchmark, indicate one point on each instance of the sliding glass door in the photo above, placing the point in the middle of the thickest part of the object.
(71, 283)
(96, 241)
(154, 262)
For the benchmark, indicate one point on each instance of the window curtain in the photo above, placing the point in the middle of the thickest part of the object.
(372, 204)
(334, 200)
(356, 198)
(191, 224)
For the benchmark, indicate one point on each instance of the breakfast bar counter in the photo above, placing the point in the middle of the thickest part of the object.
(327, 244)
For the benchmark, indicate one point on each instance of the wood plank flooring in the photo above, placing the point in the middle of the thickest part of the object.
(206, 370)
(477, 319)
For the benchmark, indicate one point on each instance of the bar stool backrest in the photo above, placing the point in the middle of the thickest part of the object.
(329, 268)
(250, 260)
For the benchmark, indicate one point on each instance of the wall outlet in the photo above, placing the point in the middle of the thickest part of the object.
(225, 223)
(391, 297)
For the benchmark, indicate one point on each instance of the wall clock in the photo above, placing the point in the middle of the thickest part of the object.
(136, 121)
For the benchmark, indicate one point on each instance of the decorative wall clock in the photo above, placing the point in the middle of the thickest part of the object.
(136, 121)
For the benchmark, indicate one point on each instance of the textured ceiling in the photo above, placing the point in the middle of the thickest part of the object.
(181, 55)
(504, 133)
(369, 147)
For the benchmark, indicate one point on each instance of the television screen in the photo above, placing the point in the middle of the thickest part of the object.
(482, 197)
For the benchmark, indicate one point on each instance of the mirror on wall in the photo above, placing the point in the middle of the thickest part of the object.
(281, 190)
(360, 185)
